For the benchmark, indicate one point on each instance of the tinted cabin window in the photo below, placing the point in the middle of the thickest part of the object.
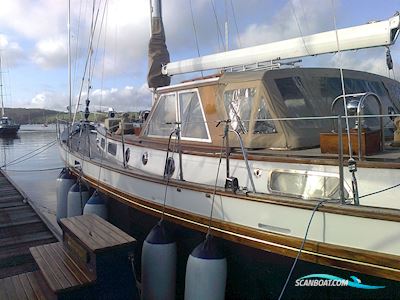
(102, 143)
(238, 104)
(192, 118)
(112, 148)
(331, 88)
(161, 123)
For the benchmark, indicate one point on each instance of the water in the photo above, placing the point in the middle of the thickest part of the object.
(32, 161)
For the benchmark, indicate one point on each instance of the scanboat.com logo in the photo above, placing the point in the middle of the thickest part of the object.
(331, 280)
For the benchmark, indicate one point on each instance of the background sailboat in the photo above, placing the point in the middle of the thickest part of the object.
(7, 126)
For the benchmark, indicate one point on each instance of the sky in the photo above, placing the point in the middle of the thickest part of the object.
(34, 49)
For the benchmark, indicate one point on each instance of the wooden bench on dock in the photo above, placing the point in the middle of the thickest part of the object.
(91, 262)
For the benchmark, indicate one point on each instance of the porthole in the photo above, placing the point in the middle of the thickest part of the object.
(257, 173)
(127, 155)
(145, 158)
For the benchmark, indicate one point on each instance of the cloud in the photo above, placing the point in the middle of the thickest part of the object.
(121, 99)
(11, 52)
(51, 52)
(294, 19)
(125, 99)
(34, 19)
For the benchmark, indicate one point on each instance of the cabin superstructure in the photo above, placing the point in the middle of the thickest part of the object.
(275, 109)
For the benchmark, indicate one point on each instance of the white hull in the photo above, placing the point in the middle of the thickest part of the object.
(257, 214)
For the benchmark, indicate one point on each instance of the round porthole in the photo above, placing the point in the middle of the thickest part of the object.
(257, 173)
(145, 158)
(169, 167)
(127, 154)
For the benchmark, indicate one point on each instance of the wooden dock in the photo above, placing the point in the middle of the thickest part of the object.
(91, 262)
(20, 228)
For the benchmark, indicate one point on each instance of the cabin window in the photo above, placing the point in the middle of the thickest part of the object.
(238, 104)
(331, 87)
(262, 124)
(163, 120)
(306, 185)
(192, 116)
(297, 105)
(184, 107)
(102, 143)
(112, 148)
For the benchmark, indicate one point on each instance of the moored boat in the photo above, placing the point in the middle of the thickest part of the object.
(277, 160)
(7, 126)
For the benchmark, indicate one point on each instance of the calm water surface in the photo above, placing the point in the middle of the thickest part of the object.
(32, 160)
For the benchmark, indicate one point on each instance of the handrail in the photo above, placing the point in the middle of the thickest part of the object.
(362, 98)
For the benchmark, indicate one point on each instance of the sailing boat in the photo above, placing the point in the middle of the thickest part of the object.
(7, 125)
(278, 161)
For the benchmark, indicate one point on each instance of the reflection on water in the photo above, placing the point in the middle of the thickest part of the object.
(31, 159)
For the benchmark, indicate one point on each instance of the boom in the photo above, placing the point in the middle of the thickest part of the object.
(382, 33)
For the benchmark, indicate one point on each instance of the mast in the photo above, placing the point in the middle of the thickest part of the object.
(383, 33)
(69, 68)
(1, 89)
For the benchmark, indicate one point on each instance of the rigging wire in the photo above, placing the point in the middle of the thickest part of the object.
(219, 34)
(236, 25)
(166, 171)
(35, 170)
(195, 33)
(77, 64)
(380, 191)
(104, 61)
(352, 165)
(226, 26)
(215, 185)
(88, 58)
(32, 153)
(298, 26)
(301, 248)
(342, 80)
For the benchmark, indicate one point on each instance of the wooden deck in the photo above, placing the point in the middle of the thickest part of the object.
(20, 228)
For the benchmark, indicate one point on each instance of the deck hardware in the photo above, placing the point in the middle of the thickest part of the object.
(127, 155)
(232, 183)
(145, 158)
(169, 167)
(352, 164)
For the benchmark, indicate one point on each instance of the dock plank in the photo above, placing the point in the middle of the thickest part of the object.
(3, 294)
(95, 233)
(26, 285)
(11, 293)
(39, 287)
(20, 228)
(109, 230)
(61, 272)
(19, 289)
(83, 234)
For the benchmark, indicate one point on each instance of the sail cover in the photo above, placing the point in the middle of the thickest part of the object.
(158, 54)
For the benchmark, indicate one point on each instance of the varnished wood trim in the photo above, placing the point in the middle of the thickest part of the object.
(201, 149)
(368, 262)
